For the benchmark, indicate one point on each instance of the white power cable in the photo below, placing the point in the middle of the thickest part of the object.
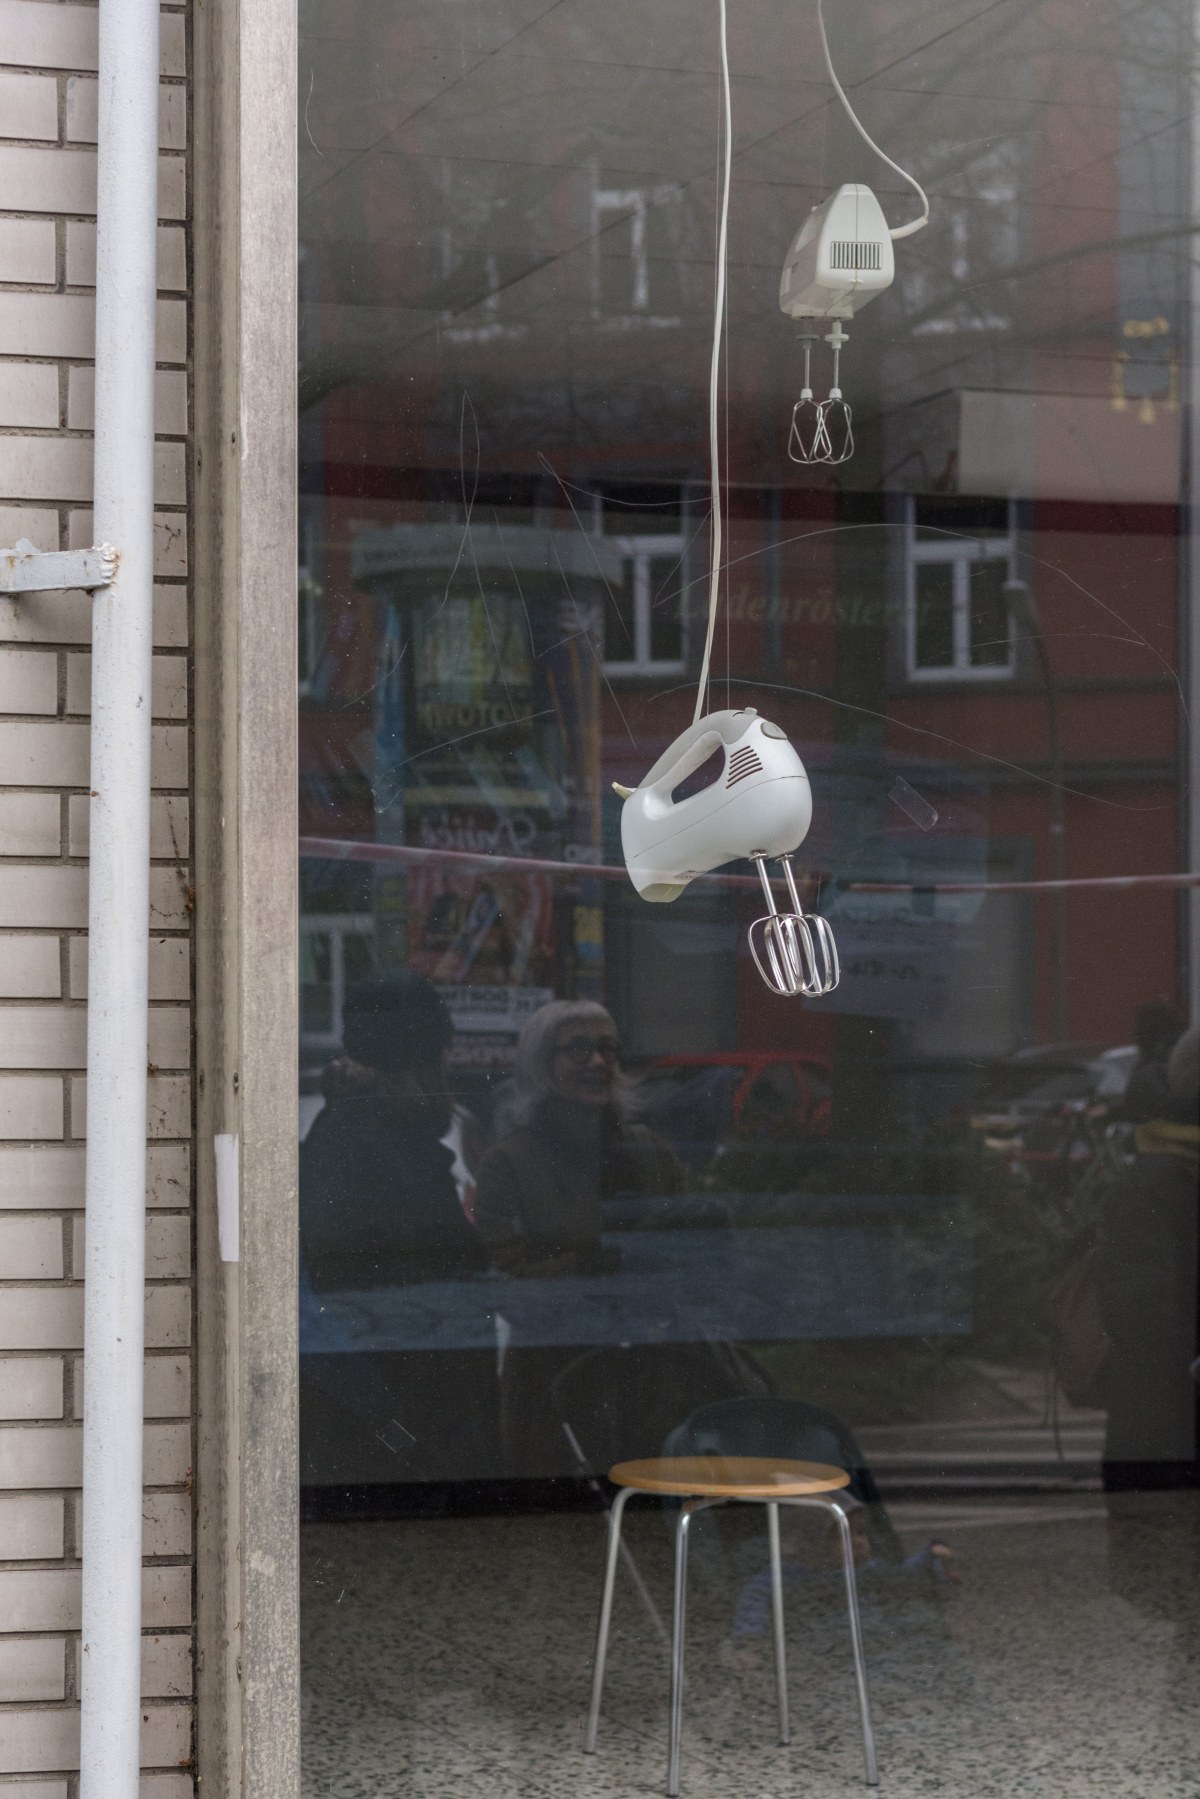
(714, 447)
(913, 224)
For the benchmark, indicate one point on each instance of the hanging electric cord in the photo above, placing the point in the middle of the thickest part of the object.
(845, 448)
(839, 90)
(714, 442)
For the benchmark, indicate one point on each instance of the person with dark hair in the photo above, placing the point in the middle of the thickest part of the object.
(380, 1207)
(378, 1201)
(1157, 1028)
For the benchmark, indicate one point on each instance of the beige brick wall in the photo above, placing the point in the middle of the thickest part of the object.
(47, 267)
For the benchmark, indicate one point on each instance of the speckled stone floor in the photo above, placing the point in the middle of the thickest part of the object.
(452, 1658)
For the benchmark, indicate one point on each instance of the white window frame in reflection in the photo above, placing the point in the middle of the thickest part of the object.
(971, 239)
(639, 551)
(609, 205)
(962, 555)
(337, 926)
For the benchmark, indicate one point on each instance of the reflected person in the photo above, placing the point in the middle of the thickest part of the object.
(379, 1205)
(1157, 1028)
(538, 1205)
(380, 1209)
(1148, 1284)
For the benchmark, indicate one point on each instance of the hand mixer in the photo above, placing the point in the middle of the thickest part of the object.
(759, 806)
(838, 261)
(822, 430)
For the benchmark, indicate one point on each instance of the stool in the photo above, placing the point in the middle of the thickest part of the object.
(701, 1482)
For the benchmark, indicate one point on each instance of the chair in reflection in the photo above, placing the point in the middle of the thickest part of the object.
(768, 1424)
(743, 1450)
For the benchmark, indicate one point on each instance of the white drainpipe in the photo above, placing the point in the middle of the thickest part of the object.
(119, 900)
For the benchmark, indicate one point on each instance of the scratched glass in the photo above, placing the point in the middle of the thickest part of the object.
(938, 1227)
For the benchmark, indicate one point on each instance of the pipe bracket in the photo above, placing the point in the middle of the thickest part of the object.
(26, 570)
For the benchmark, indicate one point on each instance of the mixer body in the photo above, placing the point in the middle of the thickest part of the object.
(759, 805)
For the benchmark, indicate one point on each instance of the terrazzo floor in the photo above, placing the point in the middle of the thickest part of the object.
(451, 1658)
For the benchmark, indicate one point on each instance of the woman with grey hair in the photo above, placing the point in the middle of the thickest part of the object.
(536, 1073)
(539, 1201)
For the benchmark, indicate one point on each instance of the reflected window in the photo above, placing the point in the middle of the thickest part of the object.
(959, 561)
(335, 949)
(636, 270)
(644, 610)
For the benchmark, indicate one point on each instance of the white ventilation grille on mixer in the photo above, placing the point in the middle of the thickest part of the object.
(743, 762)
(855, 255)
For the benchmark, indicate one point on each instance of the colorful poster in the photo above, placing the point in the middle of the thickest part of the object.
(487, 742)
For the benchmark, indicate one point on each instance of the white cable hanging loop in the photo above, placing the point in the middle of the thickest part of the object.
(714, 448)
(895, 231)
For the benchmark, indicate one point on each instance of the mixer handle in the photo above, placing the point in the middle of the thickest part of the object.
(695, 745)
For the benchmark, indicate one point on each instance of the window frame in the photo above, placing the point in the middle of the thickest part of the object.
(337, 927)
(639, 549)
(963, 554)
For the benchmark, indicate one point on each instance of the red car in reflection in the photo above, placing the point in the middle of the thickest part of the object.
(698, 1102)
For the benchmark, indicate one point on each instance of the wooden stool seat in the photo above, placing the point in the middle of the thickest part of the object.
(701, 1481)
(728, 1477)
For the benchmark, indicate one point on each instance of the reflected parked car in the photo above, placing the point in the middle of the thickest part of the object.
(697, 1103)
(1038, 1081)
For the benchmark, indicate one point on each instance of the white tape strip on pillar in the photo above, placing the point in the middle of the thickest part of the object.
(225, 1149)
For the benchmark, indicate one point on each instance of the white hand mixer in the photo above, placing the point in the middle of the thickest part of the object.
(759, 807)
(838, 261)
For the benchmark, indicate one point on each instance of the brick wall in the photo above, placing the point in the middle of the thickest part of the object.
(47, 262)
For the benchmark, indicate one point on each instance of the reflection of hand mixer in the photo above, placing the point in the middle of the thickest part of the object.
(839, 260)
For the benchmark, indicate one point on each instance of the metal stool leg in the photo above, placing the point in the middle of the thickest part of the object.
(777, 1618)
(681, 1558)
(860, 1664)
(610, 1575)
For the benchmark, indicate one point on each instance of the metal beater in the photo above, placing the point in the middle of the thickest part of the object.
(793, 952)
(822, 430)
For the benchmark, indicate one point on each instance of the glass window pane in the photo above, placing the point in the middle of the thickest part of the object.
(620, 630)
(653, 509)
(579, 1183)
(934, 583)
(316, 992)
(947, 516)
(666, 608)
(990, 640)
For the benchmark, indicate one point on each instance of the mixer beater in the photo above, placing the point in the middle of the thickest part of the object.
(822, 430)
(794, 952)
